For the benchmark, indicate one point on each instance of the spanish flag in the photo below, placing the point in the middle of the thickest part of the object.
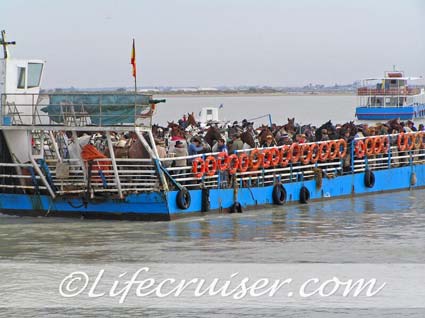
(133, 59)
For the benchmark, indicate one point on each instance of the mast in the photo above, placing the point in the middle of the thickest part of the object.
(4, 43)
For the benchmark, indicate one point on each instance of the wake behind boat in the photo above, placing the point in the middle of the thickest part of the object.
(98, 156)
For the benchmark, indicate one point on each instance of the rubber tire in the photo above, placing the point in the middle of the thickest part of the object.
(278, 191)
(369, 179)
(304, 195)
(236, 207)
(183, 199)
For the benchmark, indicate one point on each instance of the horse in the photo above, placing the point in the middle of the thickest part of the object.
(264, 132)
(176, 130)
(395, 124)
(329, 127)
(248, 138)
(191, 121)
(130, 148)
(290, 126)
(212, 134)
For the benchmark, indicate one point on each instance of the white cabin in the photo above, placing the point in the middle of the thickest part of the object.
(208, 115)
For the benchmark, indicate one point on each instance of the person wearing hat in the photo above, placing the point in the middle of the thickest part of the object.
(325, 136)
(269, 142)
(285, 140)
(180, 150)
(195, 146)
(160, 148)
(236, 144)
(411, 125)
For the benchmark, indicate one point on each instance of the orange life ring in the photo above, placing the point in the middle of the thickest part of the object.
(284, 156)
(370, 146)
(385, 140)
(305, 158)
(314, 149)
(294, 152)
(267, 158)
(210, 160)
(198, 164)
(342, 143)
(333, 150)
(418, 140)
(275, 157)
(233, 163)
(360, 149)
(324, 155)
(243, 162)
(402, 141)
(379, 146)
(255, 159)
(222, 162)
(410, 141)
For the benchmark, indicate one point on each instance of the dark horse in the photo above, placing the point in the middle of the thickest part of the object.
(212, 134)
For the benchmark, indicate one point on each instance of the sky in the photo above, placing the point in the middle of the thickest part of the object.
(87, 43)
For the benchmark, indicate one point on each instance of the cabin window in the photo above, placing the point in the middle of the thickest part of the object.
(209, 112)
(21, 77)
(34, 74)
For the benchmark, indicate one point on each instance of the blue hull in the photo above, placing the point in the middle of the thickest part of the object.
(413, 112)
(162, 206)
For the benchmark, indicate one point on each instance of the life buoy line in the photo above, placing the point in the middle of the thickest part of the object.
(279, 194)
(379, 145)
(402, 141)
(314, 149)
(284, 156)
(294, 152)
(243, 162)
(267, 158)
(275, 157)
(342, 143)
(360, 149)
(222, 163)
(304, 195)
(210, 160)
(305, 158)
(369, 146)
(333, 150)
(385, 140)
(183, 199)
(233, 163)
(324, 155)
(369, 179)
(198, 164)
(255, 159)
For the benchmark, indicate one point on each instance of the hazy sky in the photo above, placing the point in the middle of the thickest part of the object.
(87, 43)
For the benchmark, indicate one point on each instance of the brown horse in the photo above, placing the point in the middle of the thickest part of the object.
(191, 121)
(131, 148)
(264, 132)
(176, 130)
(248, 139)
(212, 134)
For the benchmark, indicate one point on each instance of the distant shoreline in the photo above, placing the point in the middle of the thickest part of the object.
(223, 94)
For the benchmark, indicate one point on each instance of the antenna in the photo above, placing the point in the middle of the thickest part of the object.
(5, 44)
(393, 67)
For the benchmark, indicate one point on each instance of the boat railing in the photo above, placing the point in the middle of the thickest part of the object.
(77, 110)
(292, 172)
(368, 91)
(126, 176)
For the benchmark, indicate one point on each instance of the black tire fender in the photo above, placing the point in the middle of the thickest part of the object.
(183, 199)
(304, 195)
(236, 207)
(279, 194)
(369, 179)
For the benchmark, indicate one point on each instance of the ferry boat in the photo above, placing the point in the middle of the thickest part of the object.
(390, 97)
(52, 162)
